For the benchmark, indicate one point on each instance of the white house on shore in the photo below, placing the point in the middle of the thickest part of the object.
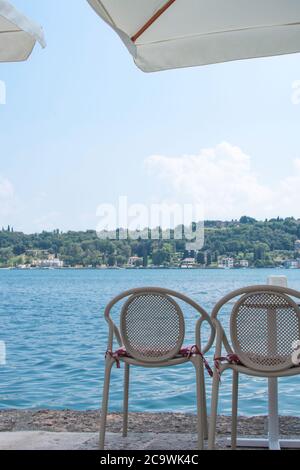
(226, 263)
(188, 263)
(134, 261)
(292, 264)
(50, 263)
(243, 263)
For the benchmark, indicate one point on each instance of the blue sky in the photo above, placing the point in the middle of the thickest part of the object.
(83, 126)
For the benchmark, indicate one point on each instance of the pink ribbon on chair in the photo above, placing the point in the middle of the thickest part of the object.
(117, 355)
(187, 351)
(230, 359)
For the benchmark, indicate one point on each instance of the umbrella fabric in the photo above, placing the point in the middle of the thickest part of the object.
(18, 34)
(163, 34)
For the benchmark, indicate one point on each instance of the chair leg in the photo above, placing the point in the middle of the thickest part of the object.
(214, 410)
(200, 409)
(203, 401)
(235, 391)
(204, 405)
(108, 366)
(126, 396)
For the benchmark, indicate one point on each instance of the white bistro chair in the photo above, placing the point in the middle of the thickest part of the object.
(264, 326)
(151, 334)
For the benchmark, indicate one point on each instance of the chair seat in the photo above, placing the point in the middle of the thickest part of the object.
(256, 373)
(184, 355)
(177, 360)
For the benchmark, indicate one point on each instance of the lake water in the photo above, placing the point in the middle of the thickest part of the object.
(56, 337)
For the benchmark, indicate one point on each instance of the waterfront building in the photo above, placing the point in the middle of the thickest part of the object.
(226, 263)
(188, 263)
(135, 261)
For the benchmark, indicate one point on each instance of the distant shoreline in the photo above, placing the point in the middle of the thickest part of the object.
(68, 268)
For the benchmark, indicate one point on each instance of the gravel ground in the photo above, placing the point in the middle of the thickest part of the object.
(88, 421)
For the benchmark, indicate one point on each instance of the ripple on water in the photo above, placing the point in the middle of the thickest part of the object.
(52, 322)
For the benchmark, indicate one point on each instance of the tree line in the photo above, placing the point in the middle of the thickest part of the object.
(262, 243)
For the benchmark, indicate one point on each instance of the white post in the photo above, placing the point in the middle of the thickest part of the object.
(273, 420)
(279, 281)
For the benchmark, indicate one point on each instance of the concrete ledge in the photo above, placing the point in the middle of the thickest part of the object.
(41, 440)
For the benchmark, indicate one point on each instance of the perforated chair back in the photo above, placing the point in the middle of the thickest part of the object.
(152, 327)
(263, 327)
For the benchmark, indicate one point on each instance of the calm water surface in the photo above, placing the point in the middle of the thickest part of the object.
(52, 323)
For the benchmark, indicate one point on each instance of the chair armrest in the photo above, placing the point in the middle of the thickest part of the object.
(210, 342)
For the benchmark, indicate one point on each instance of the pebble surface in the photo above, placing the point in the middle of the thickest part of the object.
(88, 421)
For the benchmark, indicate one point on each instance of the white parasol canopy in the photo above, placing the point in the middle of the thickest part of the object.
(18, 34)
(163, 34)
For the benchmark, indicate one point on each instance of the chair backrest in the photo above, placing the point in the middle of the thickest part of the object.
(264, 323)
(152, 327)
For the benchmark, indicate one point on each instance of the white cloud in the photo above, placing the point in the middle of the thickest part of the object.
(7, 197)
(223, 181)
(288, 193)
